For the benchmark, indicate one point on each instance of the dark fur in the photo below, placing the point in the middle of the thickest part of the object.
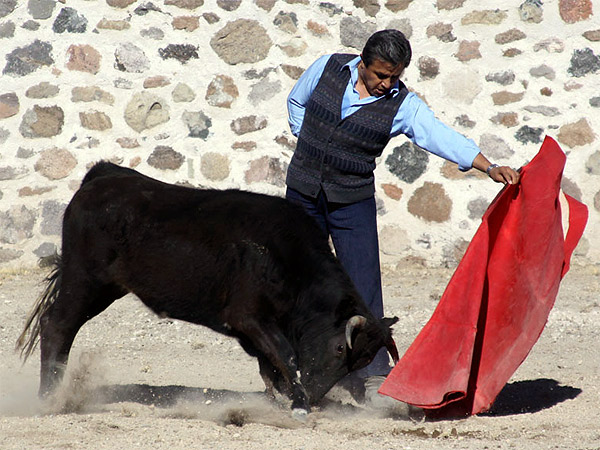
(247, 265)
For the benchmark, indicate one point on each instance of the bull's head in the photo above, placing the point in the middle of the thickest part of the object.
(326, 355)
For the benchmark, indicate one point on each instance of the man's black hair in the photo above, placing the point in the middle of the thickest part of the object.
(389, 46)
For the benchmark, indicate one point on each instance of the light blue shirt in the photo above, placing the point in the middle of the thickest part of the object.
(413, 119)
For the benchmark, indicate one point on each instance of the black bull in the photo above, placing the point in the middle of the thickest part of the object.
(247, 265)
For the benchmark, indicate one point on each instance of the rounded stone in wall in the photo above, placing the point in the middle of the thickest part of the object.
(597, 201)
(42, 122)
(55, 163)
(431, 203)
(393, 240)
(146, 110)
(215, 166)
(241, 41)
(462, 86)
(593, 163)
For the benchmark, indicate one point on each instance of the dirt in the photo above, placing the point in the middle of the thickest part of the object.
(139, 381)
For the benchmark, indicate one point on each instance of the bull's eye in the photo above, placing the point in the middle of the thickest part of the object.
(339, 349)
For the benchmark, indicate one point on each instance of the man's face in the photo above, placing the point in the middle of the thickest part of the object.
(379, 77)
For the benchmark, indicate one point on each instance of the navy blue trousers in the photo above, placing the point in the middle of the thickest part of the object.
(353, 231)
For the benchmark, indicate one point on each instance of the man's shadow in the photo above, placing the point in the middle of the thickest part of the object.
(530, 396)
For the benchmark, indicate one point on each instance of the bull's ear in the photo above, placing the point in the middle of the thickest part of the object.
(389, 321)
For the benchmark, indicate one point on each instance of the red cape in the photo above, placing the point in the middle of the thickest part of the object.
(498, 300)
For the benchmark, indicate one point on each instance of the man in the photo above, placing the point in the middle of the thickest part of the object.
(344, 109)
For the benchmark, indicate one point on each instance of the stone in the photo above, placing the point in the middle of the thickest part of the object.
(7, 7)
(504, 78)
(354, 33)
(548, 111)
(453, 252)
(595, 102)
(221, 92)
(267, 5)
(248, 124)
(29, 192)
(293, 47)
(484, 17)
(531, 11)
(31, 25)
(42, 122)
(465, 121)
(146, 8)
(394, 240)
(69, 20)
(42, 90)
(511, 52)
(468, 50)
(597, 201)
(462, 86)
(370, 7)
(442, 31)
(181, 52)
(286, 141)
(7, 255)
(45, 249)
(83, 58)
(264, 90)
(117, 25)
(229, 5)
(592, 35)
(592, 165)
(584, 62)
(429, 68)
(4, 134)
(245, 146)
(551, 45)
(55, 163)
(25, 60)
(126, 142)
(130, 58)
(52, 214)
(241, 41)
(185, 4)
(546, 91)
(153, 33)
(511, 35)
(91, 94)
(197, 123)
(527, 134)
(266, 170)
(16, 224)
(95, 120)
(543, 71)
(570, 188)
(24, 153)
(7, 30)
(450, 171)
(430, 203)
(402, 25)
(211, 18)
(477, 207)
(576, 134)
(316, 29)
(407, 162)
(397, 5)
(156, 82)
(294, 72)
(286, 21)
(505, 97)
(392, 191)
(494, 147)
(448, 5)
(186, 23)
(120, 3)
(572, 11)
(9, 105)
(165, 158)
(12, 173)
(215, 166)
(508, 119)
(183, 93)
(145, 111)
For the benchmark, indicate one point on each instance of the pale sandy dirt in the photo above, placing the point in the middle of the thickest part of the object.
(138, 381)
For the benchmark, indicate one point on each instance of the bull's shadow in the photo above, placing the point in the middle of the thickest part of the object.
(530, 396)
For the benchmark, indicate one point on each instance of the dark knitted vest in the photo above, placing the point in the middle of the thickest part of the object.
(335, 155)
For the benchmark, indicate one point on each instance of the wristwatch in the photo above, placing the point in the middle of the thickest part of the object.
(490, 167)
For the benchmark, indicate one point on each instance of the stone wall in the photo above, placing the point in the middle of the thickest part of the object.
(194, 92)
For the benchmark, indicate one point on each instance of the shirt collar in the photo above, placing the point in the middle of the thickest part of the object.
(352, 65)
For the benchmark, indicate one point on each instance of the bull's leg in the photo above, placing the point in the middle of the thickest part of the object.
(75, 304)
(268, 339)
(272, 378)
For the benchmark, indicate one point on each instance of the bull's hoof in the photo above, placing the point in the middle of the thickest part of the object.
(300, 414)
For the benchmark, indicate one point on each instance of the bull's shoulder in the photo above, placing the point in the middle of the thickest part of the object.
(107, 169)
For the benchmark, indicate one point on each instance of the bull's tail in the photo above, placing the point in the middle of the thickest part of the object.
(29, 338)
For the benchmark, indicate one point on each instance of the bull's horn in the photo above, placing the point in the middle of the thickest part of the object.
(353, 322)
(391, 348)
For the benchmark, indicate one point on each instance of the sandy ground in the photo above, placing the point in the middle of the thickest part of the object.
(139, 381)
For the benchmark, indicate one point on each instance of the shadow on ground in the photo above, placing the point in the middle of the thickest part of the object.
(530, 396)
